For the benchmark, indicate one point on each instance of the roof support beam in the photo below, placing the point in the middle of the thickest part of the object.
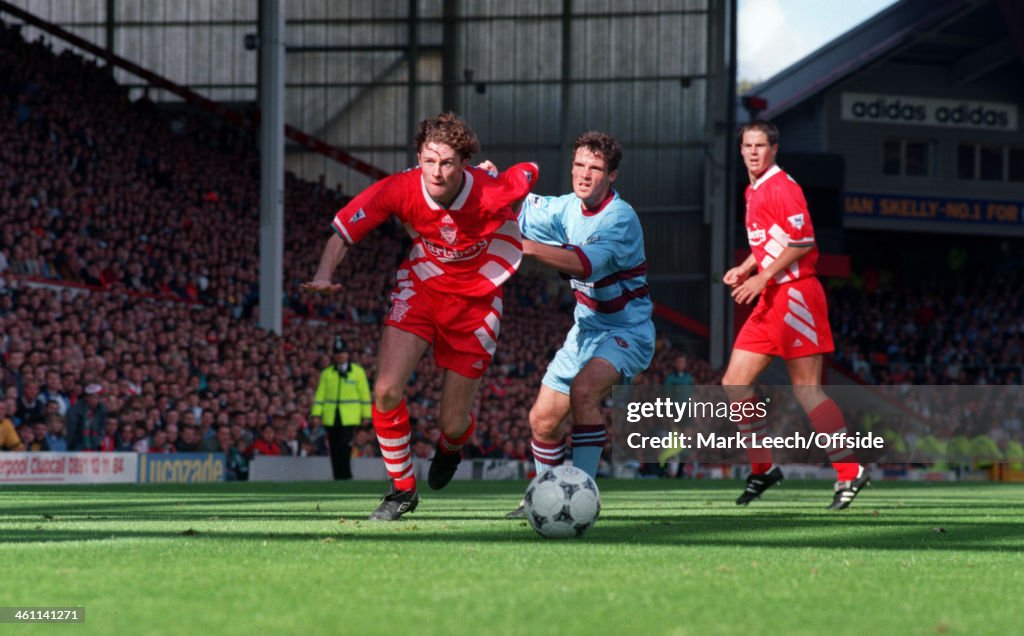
(982, 62)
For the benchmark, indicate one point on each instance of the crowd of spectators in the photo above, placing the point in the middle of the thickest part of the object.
(964, 328)
(129, 290)
(129, 286)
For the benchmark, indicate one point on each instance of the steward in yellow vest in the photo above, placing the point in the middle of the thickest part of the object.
(342, 402)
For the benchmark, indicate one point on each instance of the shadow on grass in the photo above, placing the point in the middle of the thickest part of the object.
(958, 517)
(139, 505)
(775, 531)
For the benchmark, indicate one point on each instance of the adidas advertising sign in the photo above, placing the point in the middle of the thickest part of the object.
(926, 111)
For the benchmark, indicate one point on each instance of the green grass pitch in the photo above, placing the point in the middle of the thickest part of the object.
(666, 557)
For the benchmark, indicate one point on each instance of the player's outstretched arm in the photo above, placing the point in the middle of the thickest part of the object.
(564, 260)
(519, 179)
(334, 252)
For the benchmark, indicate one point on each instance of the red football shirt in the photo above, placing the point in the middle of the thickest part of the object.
(469, 248)
(777, 218)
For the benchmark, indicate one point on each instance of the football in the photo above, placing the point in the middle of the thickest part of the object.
(562, 502)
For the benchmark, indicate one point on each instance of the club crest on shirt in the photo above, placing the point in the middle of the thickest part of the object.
(533, 200)
(358, 216)
(797, 220)
(448, 230)
(398, 310)
(621, 342)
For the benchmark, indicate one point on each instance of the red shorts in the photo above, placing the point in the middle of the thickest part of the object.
(789, 320)
(464, 331)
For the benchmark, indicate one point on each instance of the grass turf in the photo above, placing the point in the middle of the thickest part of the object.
(666, 557)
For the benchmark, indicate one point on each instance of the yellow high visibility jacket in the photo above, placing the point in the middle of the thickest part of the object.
(1015, 454)
(349, 396)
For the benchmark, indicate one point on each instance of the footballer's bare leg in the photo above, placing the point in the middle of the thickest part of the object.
(743, 370)
(548, 412)
(805, 375)
(457, 394)
(397, 357)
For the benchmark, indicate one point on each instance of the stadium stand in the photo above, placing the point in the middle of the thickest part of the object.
(945, 329)
(128, 256)
(128, 260)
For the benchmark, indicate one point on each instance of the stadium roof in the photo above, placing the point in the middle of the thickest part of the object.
(969, 37)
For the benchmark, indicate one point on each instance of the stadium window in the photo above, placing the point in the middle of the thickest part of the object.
(991, 163)
(966, 160)
(901, 157)
(1016, 164)
(891, 157)
(916, 157)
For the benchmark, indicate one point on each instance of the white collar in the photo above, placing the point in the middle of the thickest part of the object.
(769, 173)
(467, 187)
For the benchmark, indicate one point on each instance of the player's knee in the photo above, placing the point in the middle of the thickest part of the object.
(809, 396)
(453, 422)
(730, 378)
(736, 388)
(543, 425)
(387, 396)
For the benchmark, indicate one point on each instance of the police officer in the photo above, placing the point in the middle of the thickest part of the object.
(342, 402)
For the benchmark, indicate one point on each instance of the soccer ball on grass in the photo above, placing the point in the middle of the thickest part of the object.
(562, 502)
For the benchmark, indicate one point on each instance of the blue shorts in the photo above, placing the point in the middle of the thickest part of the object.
(628, 350)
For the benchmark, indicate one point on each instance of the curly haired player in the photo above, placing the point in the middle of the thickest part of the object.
(466, 244)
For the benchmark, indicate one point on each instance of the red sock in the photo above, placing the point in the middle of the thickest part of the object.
(393, 434)
(827, 418)
(760, 458)
(454, 446)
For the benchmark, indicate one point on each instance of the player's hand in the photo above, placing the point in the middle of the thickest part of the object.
(747, 291)
(735, 276)
(321, 287)
(488, 166)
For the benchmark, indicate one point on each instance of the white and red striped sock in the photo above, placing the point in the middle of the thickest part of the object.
(393, 434)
